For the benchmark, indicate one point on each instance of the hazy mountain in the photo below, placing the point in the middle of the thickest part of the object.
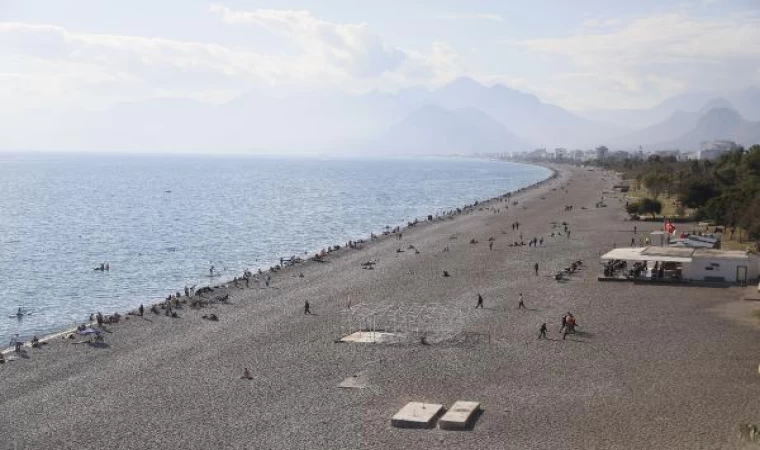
(435, 130)
(718, 124)
(541, 123)
(745, 101)
(675, 126)
(642, 118)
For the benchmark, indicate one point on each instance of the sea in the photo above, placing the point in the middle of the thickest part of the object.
(161, 221)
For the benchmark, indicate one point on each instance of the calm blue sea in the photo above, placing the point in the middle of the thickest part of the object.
(161, 221)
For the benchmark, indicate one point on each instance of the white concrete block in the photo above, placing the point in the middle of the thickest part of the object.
(459, 416)
(417, 415)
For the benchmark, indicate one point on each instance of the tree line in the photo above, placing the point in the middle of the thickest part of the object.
(726, 190)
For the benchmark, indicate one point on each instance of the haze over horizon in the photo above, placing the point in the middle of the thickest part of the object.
(308, 76)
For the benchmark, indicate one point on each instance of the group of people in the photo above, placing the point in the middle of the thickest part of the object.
(568, 327)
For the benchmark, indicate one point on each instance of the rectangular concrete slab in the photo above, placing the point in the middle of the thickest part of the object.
(417, 415)
(375, 337)
(459, 416)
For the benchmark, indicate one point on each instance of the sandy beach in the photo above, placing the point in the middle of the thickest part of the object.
(656, 367)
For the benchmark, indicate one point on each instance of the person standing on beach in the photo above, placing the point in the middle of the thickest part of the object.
(634, 229)
(521, 303)
(490, 245)
(141, 310)
(306, 308)
(480, 301)
(542, 331)
(535, 267)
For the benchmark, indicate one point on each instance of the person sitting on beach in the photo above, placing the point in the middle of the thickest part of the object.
(2, 358)
(17, 343)
(35, 342)
(246, 375)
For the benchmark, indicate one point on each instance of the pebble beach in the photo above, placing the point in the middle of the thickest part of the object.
(654, 367)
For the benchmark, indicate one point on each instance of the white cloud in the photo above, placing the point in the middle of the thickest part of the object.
(470, 16)
(647, 58)
(55, 63)
(52, 66)
(353, 48)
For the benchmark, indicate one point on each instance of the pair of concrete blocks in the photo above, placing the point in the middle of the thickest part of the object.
(424, 415)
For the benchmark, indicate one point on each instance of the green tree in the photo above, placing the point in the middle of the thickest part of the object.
(696, 192)
(656, 182)
(650, 206)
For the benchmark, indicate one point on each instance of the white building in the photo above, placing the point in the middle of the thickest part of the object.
(691, 264)
(713, 149)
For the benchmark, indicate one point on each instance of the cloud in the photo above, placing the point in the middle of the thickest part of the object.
(655, 56)
(470, 16)
(115, 66)
(50, 66)
(353, 48)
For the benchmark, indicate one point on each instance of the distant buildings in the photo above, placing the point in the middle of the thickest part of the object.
(713, 149)
(602, 152)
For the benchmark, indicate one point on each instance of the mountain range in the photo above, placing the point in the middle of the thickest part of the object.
(463, 116)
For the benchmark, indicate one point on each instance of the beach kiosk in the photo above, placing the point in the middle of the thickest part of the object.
(681, 263)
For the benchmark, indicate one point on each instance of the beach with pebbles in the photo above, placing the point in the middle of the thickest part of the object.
(652, 366)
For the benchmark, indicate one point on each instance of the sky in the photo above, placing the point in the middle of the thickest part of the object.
(581, 54)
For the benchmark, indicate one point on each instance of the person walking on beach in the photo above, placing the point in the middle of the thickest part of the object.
(480, 301)
(634, 229)
(266, 281)
(535, 267)
(306, 308)
(490, 245)
(542, 331)
(564, 324)
(521, 303)
(633, 242)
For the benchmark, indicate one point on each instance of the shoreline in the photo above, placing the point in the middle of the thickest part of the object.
(226, 283)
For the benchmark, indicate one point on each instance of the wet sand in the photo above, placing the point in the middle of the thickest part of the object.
(655, 367)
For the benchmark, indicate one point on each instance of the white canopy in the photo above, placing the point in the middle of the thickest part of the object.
(663, 254)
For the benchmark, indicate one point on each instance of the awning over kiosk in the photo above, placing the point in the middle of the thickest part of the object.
(664, 254)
